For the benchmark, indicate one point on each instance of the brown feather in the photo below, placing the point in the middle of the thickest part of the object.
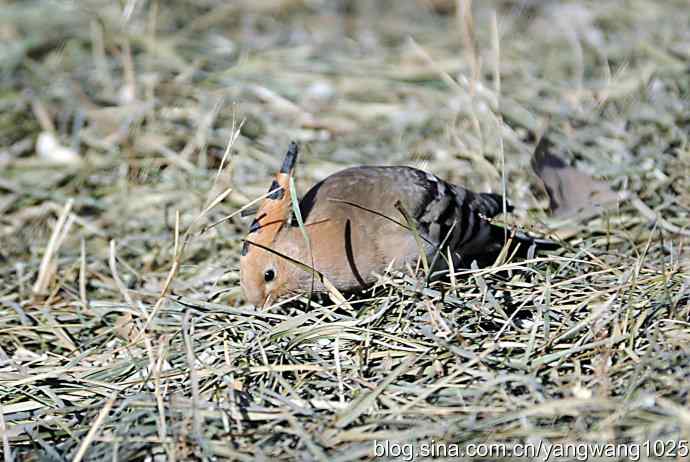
(356, 229)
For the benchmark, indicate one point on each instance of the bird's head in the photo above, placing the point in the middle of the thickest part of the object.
(264, 273)
(265, 277)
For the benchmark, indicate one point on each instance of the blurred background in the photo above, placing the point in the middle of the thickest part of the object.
(128, 107)
(116, 116)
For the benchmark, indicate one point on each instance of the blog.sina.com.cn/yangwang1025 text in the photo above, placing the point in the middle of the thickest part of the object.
(540, 450)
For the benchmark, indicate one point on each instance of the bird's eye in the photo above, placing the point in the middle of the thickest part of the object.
(269, 275)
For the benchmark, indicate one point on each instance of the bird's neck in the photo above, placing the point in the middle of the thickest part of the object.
(292, 243)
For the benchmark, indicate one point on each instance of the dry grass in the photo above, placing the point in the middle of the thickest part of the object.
(124, 335)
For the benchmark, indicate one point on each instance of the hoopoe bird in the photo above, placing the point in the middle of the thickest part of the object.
(359, 222)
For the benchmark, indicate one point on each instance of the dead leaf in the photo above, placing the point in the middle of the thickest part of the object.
(571, 192)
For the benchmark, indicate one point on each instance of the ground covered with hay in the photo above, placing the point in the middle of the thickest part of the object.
(132, 133)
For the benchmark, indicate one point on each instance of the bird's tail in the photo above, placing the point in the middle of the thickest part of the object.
(489, 205)
(522, 244)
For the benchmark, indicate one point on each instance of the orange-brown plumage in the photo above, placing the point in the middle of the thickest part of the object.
(356, 223)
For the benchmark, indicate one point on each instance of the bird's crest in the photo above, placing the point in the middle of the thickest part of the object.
(274, 210)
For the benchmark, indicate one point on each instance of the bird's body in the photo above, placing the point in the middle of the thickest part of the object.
(357, 226)
(359, 222)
